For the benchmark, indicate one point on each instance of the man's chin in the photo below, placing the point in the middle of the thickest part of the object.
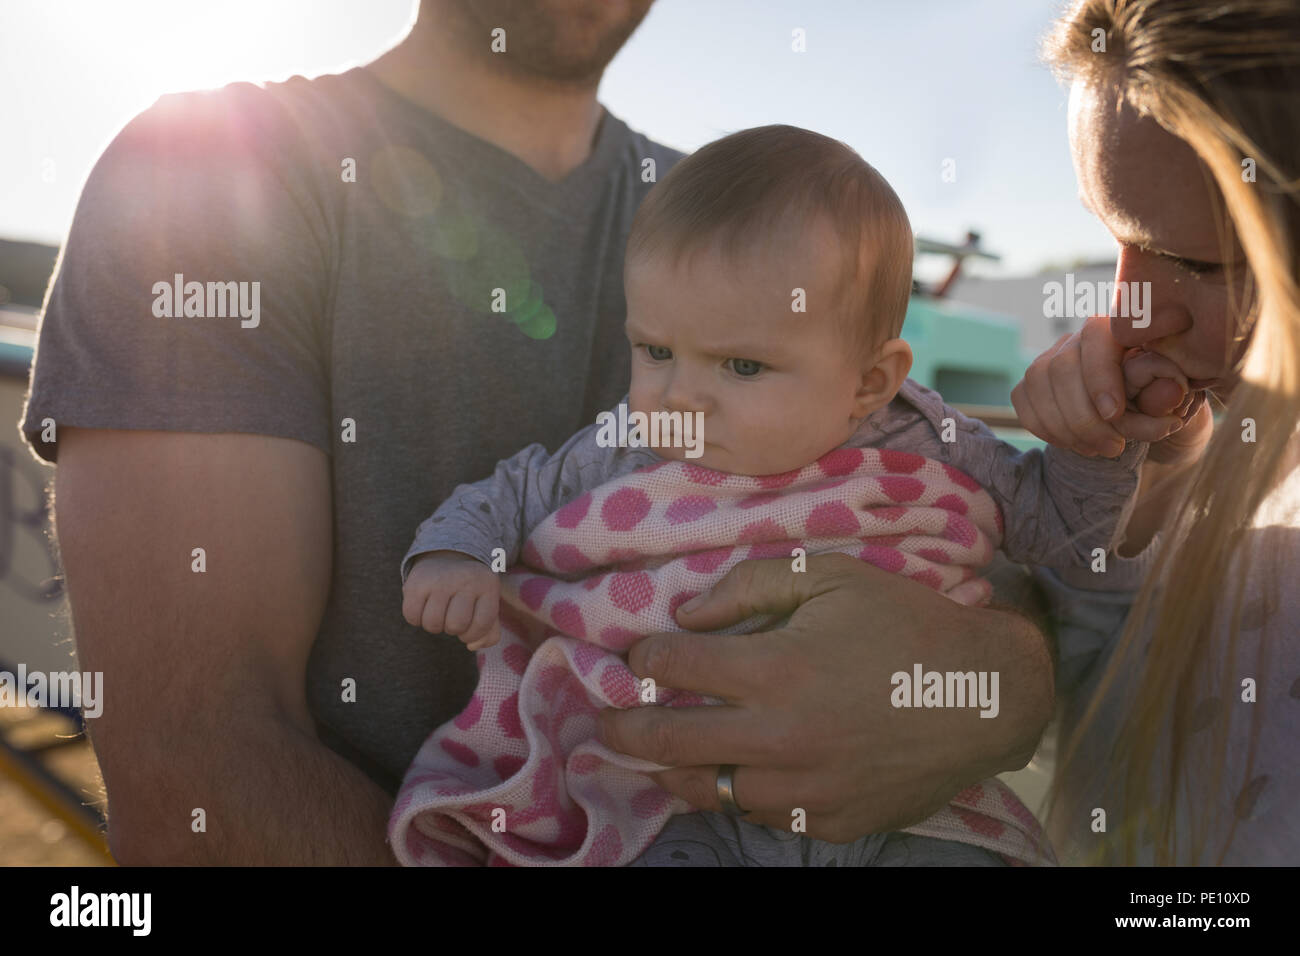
(561, 44)
(558, 70)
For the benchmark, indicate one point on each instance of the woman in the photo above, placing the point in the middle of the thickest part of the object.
(1181, 731)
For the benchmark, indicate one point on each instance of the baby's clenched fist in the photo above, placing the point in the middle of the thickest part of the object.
(451, 593)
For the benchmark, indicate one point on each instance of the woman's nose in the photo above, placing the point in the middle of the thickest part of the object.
(1147, 303)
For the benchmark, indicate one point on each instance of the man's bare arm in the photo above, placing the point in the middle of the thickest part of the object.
(204, 673)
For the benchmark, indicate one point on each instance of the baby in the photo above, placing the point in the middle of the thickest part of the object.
(767, 278)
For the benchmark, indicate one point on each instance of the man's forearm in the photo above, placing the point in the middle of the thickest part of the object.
(1031, 654)
(960, 747)
(1035, 615)
(271, 794)
(1008, 642)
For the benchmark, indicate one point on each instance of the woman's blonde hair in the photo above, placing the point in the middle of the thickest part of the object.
(1224, 76)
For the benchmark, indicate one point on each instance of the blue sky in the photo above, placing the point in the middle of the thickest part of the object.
(908, 83)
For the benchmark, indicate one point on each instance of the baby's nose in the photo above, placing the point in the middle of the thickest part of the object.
(682, 395)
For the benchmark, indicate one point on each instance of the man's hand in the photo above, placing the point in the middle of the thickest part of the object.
(808, 716)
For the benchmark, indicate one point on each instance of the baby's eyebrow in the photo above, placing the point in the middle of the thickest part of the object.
(758, 351)
(746, 350)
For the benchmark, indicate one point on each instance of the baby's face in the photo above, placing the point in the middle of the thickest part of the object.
(777, 388)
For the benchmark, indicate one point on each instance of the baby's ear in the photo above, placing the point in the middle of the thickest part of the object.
(881, 382)
(896, 360)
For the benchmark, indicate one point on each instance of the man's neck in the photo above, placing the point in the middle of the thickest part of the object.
(550, 126)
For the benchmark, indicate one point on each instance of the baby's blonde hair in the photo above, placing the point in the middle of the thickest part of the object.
(741, 189)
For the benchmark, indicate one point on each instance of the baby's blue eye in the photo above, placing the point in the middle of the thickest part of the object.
(659, 353)
(745, 367)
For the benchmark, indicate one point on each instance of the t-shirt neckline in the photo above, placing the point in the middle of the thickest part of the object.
(502, 162)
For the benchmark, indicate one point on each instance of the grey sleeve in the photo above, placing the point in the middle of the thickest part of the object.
(160, 204)
(501, 510)
(1057, 507)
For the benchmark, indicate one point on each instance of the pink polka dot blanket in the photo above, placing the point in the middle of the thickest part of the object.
(520, 778)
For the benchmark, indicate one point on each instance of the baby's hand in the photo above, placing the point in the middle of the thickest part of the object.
(1154, 384)
(451, 593)
(1055, 402)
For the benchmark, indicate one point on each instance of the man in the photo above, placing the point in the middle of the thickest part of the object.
(286, 323)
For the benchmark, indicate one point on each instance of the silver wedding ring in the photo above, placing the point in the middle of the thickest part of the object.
(727, 791)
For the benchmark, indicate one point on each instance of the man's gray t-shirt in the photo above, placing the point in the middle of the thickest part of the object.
(381, 239)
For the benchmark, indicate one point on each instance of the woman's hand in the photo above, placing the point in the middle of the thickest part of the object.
(1089, 394)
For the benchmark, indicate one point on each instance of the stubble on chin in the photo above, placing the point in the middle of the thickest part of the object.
(537, 48)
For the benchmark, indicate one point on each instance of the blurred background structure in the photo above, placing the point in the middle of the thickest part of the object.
(50, 789)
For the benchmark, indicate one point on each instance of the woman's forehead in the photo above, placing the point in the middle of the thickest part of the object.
(1148, 187)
